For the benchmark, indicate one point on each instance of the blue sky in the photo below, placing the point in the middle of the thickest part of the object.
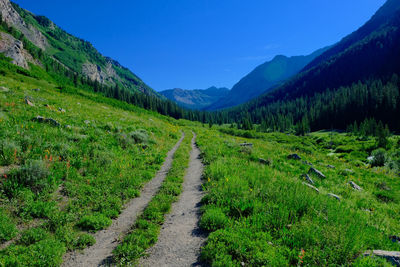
(199, 43)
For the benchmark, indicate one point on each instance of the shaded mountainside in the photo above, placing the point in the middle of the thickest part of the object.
(264, 78)
(363, 62)
(195, 99)
(75, 54)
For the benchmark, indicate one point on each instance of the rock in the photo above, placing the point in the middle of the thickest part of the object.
(53, 122)
(317, 173)
(4, 89)
(242, 264)
(247, 144)
(331, 167)
(307, 163)
(294, 156)
(395, 239)
(355, 186)
(28, 102)
(308, 179)
(264, 161)
(61, 110)
(50, 121)
(334, 196)
(39, 119)
(36, 89)
(392, 256)
(312, 187)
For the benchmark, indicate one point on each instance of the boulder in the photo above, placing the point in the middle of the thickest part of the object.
(28, 102)
(294, 156)
(355, 186)
(331, 167)
(317, 173)
(391, 256)
(334, 196)
(264, 161)
(312, 187)
(39, 119)
(308, 179)
(307, 163)
(247, 144)
(50, 121)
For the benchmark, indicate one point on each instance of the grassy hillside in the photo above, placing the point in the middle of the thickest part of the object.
(259, 212)
(74, 53)
(70, 171)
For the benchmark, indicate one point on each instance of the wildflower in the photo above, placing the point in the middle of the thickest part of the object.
(251, 190)
(209, 179)
(5, 176)
(227, 180)
(51, 158)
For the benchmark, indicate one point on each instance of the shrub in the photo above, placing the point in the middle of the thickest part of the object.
(94, 222)
(85, 240)
(8, 152)
(33, 175)
(139, 136)
(32, 236)
(38, 209)
(213, 219)
(7, 229)
(379, 157)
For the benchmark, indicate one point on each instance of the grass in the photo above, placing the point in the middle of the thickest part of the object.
(147, 227)
(262, 215)
(70, 180)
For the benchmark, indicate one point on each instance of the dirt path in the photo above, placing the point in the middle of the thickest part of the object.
(180, 239)
(101, 253)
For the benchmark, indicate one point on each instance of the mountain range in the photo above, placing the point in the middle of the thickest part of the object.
(264, 78)
(355, 79)
(195, 99)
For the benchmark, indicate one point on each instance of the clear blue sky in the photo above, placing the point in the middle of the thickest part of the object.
(198, 43)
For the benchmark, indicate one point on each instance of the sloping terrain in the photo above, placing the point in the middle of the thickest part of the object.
(195, 99)
(76, 54)
(360, 70)
(264, 78)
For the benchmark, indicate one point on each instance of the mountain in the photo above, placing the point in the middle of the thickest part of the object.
(355, 79)
(74, 54)
(264, 78)
(195, 99)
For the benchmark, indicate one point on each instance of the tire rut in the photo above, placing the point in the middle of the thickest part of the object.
(180, 238)
(100, 254)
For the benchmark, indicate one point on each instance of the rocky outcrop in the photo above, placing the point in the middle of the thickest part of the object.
(14, 49)
(12, 18)
(316, 172)
(392, 256)
(96, 73)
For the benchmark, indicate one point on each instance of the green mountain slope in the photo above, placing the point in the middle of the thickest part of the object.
(354, 80)
(264, 78)
(75, 54)
(195, 99)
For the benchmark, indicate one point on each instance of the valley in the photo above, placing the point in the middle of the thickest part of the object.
(297, 165)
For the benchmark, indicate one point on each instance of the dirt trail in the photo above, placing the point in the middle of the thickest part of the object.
(180, 239)
(100, 254)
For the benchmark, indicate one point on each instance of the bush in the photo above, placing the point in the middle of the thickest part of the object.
(33, 175)
(213, 219)
(7, 229)
(139, 136)
(32, 236)
(94, 222)
(8, 152)
(85, 240)
(379, 157)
